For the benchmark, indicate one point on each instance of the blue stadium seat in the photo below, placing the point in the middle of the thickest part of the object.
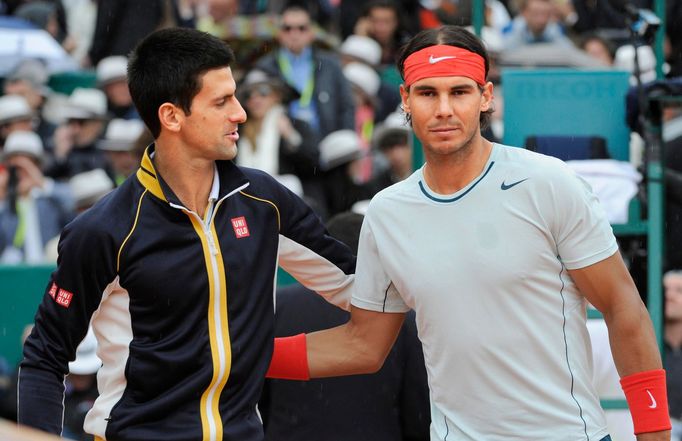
(568, 147)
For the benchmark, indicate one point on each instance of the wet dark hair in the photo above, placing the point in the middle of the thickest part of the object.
(166, 67)
(452, 36)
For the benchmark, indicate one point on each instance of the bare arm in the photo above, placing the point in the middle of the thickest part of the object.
(609, 287)
(358, 347)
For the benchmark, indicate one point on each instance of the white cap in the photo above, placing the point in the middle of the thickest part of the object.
(338, 148)
(625, 60)
(24, 143)
(362, 48)
(87, 362)
(113, 68)
(291, 182)
(121, 135)
(14, 107)
(86, 104)
(88, 187)
(363, 77)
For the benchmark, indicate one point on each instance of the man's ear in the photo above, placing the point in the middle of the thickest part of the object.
(487, 97)
(404, 97)
(171, 117)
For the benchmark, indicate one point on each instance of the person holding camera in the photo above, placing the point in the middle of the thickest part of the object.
(33, 208)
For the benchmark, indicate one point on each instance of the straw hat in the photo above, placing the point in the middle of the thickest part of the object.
(87, 362)
(24, 143)
(89, 187)
(121, 135)
(14, 108)
(110, 69)
(86, 104)
(338, 148)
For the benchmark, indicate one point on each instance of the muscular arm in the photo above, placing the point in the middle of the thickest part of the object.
(358, 347)
(609, 287)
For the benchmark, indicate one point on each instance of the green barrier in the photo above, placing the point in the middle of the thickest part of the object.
(22, 289)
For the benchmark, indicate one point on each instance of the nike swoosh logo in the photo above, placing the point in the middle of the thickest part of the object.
(434, 60)
(653, 400)
(507, 187)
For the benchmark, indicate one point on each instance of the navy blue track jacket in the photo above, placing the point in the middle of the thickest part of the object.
(182, 306)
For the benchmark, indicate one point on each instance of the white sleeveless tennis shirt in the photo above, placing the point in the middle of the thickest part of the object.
(485, 269)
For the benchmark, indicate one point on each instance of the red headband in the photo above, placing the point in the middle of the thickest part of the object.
(444, 61)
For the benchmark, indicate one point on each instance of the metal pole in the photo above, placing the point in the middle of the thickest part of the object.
(659, 6)
(656, 198)
(477, 19)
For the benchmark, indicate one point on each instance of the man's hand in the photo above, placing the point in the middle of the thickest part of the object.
(30, 175)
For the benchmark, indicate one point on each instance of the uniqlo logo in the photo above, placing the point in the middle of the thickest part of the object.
(53, 290)
(64, 298)
(240, 227)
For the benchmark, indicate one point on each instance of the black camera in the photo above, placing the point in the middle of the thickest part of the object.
(12, 186)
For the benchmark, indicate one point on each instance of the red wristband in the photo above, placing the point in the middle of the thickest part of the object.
(647, 398)
(289, 359)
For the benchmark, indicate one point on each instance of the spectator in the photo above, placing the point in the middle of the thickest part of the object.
(75, 141)
(394, 142)
(534, 24)
(365, 84)
(599, 48)
(339, 155)
(118, 145)
(111, 79)
(86, 189)
(392, 404)
(81, 16)
(80, 389)
(272, 140)
(29, 79)
(15, 114)
(672, 282)
(34, 208)
(359, 48)
(326, 102)
(382, 21)
(121, 24)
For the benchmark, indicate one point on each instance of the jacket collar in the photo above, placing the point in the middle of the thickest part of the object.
(231, 178)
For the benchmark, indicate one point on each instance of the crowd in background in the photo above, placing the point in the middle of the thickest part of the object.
(316, 78)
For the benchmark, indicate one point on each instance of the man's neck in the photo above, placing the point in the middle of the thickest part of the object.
(449, 174)
(189, 178)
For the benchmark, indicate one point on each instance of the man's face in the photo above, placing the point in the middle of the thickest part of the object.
(445, 112)
(118, 93)
(538, 14)
(673, 297)
(124, 163)
(84, 132)
(383, 23)
(210, 129)
(25, 89)
(399, 158)
(295, 32)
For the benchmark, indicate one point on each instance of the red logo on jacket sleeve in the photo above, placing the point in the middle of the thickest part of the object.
(53, 290)
(64, 298)
(240, 227)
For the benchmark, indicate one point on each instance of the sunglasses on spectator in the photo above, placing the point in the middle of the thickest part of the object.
(78, 121)
(261, 90)
(300, 28)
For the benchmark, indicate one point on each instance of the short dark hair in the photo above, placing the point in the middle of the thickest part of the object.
(453, 36)
(166, 67)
